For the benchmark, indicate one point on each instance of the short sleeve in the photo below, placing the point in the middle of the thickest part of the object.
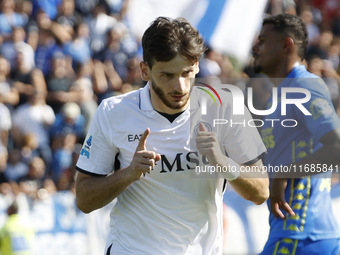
(98, 153)
(242, 141)
(323, 118)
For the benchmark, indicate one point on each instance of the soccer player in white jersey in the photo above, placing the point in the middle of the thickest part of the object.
(162, 208)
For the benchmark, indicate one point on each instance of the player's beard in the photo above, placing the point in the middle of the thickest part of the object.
(257, 68)
(171, 104)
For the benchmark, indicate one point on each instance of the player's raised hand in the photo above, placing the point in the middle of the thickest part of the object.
(207, 144)
(142, 141)
(143, 161)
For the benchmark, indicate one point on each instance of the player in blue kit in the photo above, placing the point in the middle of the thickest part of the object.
(306, 139)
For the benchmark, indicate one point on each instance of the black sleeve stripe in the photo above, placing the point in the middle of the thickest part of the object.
(224, 185)
(89, 173)
(255, 159)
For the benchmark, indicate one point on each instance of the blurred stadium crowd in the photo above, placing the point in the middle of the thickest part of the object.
(60, 58)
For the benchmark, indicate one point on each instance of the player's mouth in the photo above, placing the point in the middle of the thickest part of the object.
(178, 97)
(255, 55)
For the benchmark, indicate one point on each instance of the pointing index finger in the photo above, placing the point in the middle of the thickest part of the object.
(142, 140)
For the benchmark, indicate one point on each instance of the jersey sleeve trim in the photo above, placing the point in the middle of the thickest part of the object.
(89, 173)
(250, 162)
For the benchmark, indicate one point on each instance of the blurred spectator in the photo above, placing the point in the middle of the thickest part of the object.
(34, 117)
(62, 156)
(59, 83)
(67, 130)
(210, 64)
(99, 23)
(312, 29)
(114, 53)
(46, 47)
(60, 32)
(16, 167)
(35, 183)
(334, 54)
(118, 8)
(19, 37)
(68, 17)
(30, 147)
(5, 126)
(106, 81)
(281, 6)
(8, 48)
(11, 48)
(84, 87)
(27, 79)
(66, 179)
(9, 19)
(119, 48)
(133, 76)
(25, 8)
(49, 39)
(321, 46)
(17, 235)
(69, 120)
(78, 49)
(10, 95)
(48, 6)
(336, 24)
(289, 6)
(324, 69)
(85, 7)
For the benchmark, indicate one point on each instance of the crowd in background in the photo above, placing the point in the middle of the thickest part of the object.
(60, 58)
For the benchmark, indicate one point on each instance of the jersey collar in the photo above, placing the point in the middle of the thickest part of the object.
(144, 99)
(296, 71)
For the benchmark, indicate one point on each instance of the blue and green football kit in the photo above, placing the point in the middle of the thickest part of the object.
(290, 138)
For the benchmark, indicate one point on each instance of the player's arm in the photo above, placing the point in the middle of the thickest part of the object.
(252, 185)
(93, 192)
(327, 155)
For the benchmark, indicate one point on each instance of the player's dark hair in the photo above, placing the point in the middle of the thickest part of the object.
(292, 26)
(166, 38)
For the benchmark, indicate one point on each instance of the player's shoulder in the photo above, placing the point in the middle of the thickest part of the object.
(217, 92)
(129, 99)
(313, 83)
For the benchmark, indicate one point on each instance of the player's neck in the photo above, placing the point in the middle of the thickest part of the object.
(282, 71)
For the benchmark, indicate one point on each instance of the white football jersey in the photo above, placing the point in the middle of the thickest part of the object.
(170, 210)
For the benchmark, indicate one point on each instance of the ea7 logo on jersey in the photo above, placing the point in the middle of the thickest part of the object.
(132, 138)
(86, 148)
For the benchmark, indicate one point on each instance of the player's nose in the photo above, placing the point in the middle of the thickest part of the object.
(180, 85)
(255, 49)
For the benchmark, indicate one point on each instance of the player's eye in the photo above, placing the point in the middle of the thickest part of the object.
(186, 73)
(167, 75)
(260, 40)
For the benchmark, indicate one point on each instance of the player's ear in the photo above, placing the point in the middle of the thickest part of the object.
(289, 44)
(197, 68)
(145, 71)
